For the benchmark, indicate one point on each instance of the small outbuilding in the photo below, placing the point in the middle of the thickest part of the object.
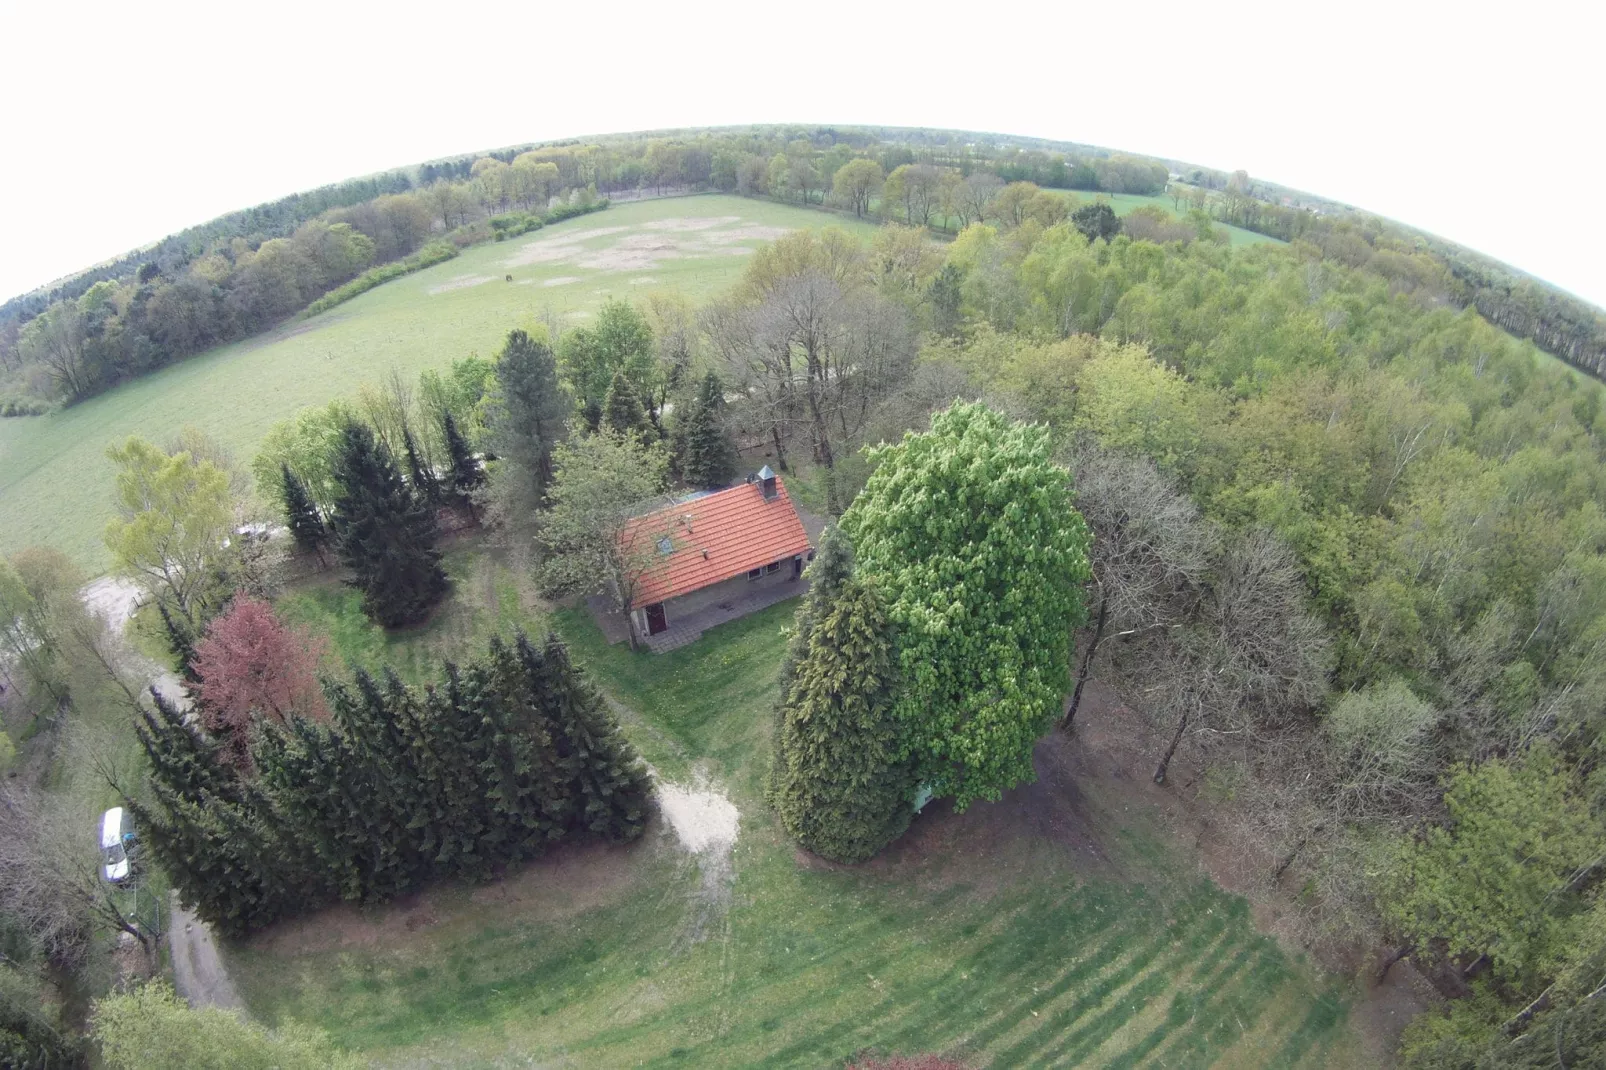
(723, 554)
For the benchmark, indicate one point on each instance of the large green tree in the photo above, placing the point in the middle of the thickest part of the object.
(387, 535)
(970, 531)
(842, 780)
(620, 340)
(527, 412)
(1501, 878)
(173, 528)
(592, 540)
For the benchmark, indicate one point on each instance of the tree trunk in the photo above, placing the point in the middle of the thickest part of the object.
(1087, 662)
(1165, 762)
(1389, 965)
(1515, 1026)
(1288, 860)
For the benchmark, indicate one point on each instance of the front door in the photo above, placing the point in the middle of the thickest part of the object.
(656, 621)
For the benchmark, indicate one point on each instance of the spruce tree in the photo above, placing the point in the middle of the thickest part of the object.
(306, 524)
(467, 475)
(380, 780)
(180, 755)
(528, 411)
(446, 736)
(387, 536)
(210, 831)
(180, 640)
(424, 484)
(622, 410)
(609, 780)
(841, 782)
(707, 454)
(531, 803)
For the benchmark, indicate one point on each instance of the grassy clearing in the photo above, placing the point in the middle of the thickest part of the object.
(1123, 203)
(56, 485)
(491, 596)
(975, 935)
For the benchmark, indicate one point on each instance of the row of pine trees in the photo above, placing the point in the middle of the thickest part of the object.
(506, 757)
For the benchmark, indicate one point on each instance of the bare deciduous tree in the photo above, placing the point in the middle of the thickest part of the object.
(1151, 549)
(1251, 655)
(50, 881)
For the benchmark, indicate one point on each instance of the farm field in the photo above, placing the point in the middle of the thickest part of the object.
(1041, 930)
(56, 486)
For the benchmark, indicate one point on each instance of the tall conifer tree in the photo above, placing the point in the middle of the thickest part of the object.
(528, 411)
(180, 640)
(467, 475)
(609, 779)
(387, 536)
(424, 484)
(707, 454)
(842, 781)
(622, 410)
(306, 524)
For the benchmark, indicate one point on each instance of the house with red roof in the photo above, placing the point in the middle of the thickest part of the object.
(716, 556)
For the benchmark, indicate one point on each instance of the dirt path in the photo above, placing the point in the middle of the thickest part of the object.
(198, 971)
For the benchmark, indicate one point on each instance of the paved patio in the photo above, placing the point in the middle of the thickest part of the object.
(690, 628)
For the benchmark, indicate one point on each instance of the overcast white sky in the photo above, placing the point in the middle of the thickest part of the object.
(125, 122)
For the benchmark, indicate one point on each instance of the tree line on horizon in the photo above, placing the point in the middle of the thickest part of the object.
(918, 177)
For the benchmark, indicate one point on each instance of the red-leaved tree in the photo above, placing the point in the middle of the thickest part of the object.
(252, 666)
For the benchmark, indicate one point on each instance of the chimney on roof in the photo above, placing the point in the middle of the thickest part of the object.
(766, 479)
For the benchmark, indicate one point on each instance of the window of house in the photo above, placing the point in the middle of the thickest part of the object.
(755, 573)
(773, 566)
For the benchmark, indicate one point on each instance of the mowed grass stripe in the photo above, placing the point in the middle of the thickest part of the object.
(937, 1010)
(1112, 964)
(1200, 991)
(1113, 993)
(1321, 1023)
(1009, 943)
(1220, 1024)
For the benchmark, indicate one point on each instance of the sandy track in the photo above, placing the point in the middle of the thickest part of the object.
(198, 971)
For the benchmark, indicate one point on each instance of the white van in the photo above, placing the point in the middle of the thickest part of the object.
(116, 841)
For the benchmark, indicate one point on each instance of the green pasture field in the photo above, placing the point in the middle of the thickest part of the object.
(986, 935)
(1125, 202)
(56, 484)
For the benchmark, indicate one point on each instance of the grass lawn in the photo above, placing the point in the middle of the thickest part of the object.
(1000, 935)
(56, 484)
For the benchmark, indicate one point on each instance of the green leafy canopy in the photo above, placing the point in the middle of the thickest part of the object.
(970, 531)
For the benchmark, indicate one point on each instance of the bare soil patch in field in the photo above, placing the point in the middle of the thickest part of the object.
(683, 223)
(558, 249)
(751, 232)
(459, 282)
(641, 248)
(561, 280)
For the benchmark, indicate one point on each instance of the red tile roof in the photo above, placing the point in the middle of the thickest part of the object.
(717, 537)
